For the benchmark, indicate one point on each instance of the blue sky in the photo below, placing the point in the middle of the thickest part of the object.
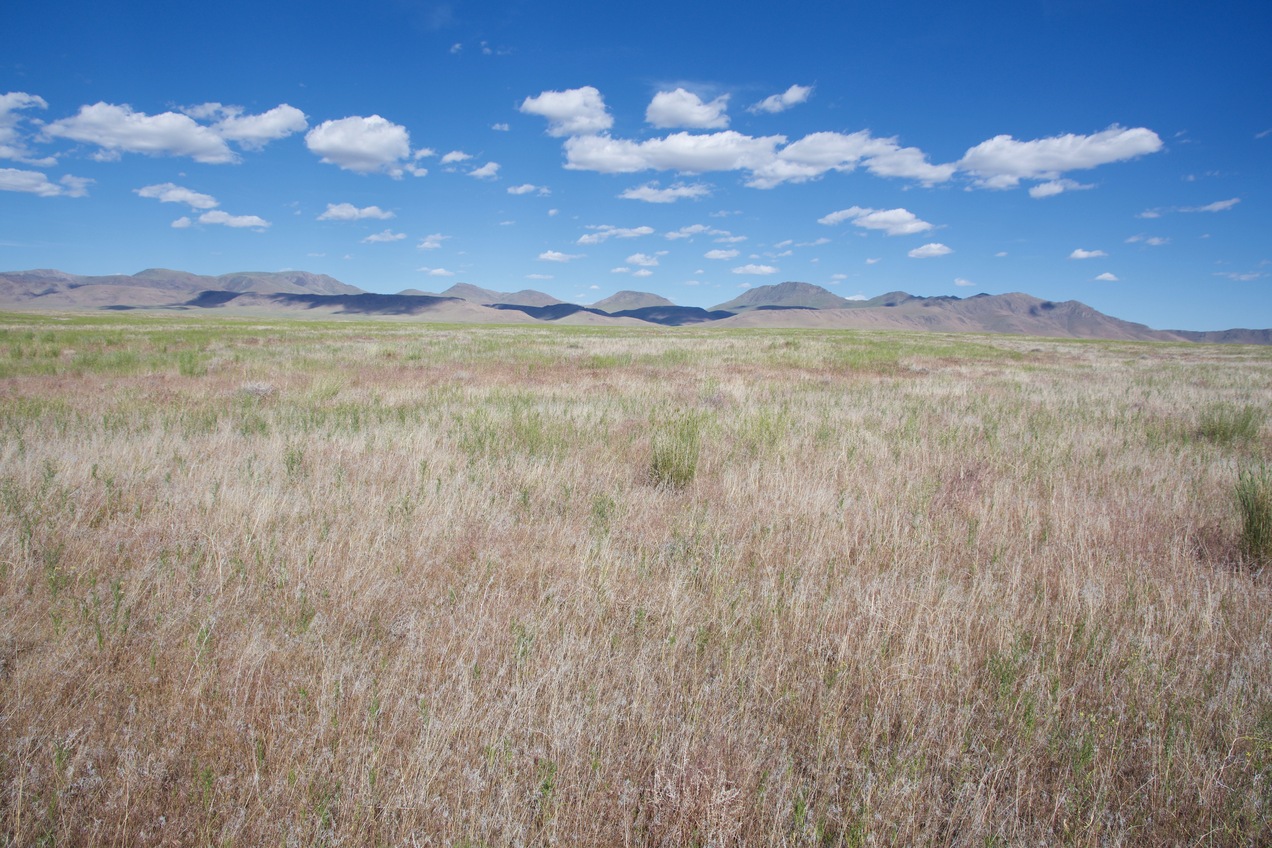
(1116, 153)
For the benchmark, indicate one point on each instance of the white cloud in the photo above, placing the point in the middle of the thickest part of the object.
(894, 222)
(432, 242)
(759, 270)
(642, 259)
(436, 272)
(455, 156)
(182, 223)
(1150, 213)
(1152, 241)
(12, 146)
(621, 270)
(1107, 277)
(1217, 206)
(558, 256)
(684, 152)
(216, 216)
(170, 193)
(775, 103)
(251, 131)
(349, 212)
(529, 188)
(539, 277)
(576, 111)
(721, 254)
(118, 129)
(601, 232)
(501, 127)
(643, 272)
(1054, 187)
(768, 161)
(364, 146)
(874, 260)
(651, 193)
(959, 281)
(928, 251)
(682, 108)
(383, 237)
(1079, 253)
(694, 230)
(489, 171)
(35, 182)
(1239, 276)
(1002, 161)
(728, 239)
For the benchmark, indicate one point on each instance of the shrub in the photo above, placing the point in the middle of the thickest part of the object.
(677, 444)
(1254, 497)
(1225, 424)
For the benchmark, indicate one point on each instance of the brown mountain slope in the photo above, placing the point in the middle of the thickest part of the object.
(1019, 314)
(624, 300)
(476, 294)
(787, 295)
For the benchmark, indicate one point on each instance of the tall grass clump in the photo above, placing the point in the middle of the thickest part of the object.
(1225, 424)
(676, 449)
(1254, 498)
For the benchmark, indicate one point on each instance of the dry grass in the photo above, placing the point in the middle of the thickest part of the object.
(320, 584)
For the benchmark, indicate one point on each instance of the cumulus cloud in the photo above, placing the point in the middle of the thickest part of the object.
(775, 103)
(928, 251)
(489, 171)
(349, 212)
(35, 182)
(691, 231)
(383, 237)
(894, 222)
(758, 270)
(721, 254)
(455, 156)
(1054, 187)
(959, 281)
(575, 111)
(119, 129)
(170, 193)
(251, 131)
(436, 272)
(558, 256)
(1002, 161)
(1217, 206)
(769, 162)
(682, 108)
(642, 272)
(1107, 277)
(1079, 253)
(12, 146)
(500, 127)
(364, 145)
(642, 259)
(684, 152)
(216, 216)
(432, 242)
(651, 193)
(182, 223)
(602, 232)
(539, 277)
(1151, 241)
(528, 188)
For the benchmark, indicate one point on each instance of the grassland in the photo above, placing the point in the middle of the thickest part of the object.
(271, 583)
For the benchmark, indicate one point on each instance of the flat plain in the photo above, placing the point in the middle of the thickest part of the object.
(277, 582)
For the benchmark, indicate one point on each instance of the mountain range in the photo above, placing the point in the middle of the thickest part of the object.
(789, 304)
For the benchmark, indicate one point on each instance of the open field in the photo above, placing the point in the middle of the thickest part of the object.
(347, 583)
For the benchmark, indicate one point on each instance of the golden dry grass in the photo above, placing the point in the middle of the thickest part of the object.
(321, 584)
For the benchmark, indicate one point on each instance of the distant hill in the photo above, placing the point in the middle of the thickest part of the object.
(486, 297)
(784, 295)
(788, 304)
(627, 300)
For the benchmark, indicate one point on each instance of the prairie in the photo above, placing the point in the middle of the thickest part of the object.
(305, 583)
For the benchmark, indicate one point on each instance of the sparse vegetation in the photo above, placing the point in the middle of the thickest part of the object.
(316, 583)
(1227, 424)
